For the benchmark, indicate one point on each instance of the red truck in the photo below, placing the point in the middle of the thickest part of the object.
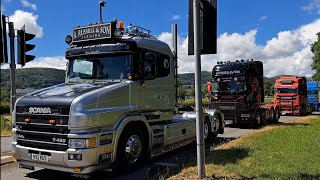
(290, 94)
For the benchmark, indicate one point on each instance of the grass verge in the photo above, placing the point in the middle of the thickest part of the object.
(6, 125)
(284, 151)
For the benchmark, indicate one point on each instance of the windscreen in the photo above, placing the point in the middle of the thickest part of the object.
(286, 90)
(228, 86)
(115, 67)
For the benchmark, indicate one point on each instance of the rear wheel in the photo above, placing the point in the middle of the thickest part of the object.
(208, 134)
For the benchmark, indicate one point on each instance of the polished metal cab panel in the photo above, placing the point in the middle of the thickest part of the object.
(100, 107)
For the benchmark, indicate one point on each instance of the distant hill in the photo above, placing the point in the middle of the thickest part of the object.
(36, 78)
(188, 78)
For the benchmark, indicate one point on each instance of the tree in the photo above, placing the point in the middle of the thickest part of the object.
(268, 89)
(315, 48)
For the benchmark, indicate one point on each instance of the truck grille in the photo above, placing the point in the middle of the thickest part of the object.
(285, 104)
(228, 109)
(38, 132)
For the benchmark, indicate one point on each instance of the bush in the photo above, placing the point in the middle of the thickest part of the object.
(4, 107)
(6, 123)
(191, 102)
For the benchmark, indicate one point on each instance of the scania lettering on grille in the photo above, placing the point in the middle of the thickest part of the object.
(59, 140)
(40, 110)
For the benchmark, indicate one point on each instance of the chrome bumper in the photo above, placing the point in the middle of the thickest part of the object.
(58, 160)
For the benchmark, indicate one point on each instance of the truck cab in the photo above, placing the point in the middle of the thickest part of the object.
(116, 107)
(236, 89)
(290, 94)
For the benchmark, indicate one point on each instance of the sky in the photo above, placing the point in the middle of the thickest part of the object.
(277, 32)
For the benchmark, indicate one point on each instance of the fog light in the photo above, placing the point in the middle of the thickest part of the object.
(70, 157)
(77, 157)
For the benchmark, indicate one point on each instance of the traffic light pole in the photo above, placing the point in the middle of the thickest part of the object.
(198, 97)
(12, 67)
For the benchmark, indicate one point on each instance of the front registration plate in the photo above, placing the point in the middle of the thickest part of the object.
(245, 115)
(39, 157)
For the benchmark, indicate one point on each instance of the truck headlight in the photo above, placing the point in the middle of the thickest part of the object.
(82, 143)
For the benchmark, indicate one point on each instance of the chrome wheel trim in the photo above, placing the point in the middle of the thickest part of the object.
(206, 130)
(133, 149)
(258, 117)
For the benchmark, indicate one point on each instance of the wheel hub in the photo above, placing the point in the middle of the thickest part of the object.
(133, 149)
(206, 130)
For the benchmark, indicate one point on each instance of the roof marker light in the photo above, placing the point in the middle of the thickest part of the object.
(121, 25)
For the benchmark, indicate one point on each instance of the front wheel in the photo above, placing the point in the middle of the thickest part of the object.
(304, 111)
(258, 118)
(132, 148)
(276, 116)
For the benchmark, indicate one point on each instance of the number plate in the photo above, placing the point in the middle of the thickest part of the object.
(39, 157)
(245, 115)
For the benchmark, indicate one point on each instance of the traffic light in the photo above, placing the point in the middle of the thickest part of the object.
(3, 41)
(23, 37)
(208, 27)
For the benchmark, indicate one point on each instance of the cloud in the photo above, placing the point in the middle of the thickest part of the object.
(263, 18)
(26, 3)
(21, 18)
(314, 5)
(175, 17)
(58, 62)
(289, 52)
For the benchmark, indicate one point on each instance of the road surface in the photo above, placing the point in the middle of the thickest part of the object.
(6, 144)
(149, 170)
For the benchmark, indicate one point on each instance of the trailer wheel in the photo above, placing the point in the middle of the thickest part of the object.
(132, 148)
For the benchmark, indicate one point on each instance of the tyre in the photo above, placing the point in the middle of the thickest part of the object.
(132, 148)
(304, 111)
(207, 133)
(273, 116)
(276, 116)
(258, 118)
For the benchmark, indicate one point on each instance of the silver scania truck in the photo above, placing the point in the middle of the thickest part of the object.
(116, 107)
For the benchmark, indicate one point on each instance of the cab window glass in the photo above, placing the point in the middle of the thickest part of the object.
(162, 66)
(149, 65)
